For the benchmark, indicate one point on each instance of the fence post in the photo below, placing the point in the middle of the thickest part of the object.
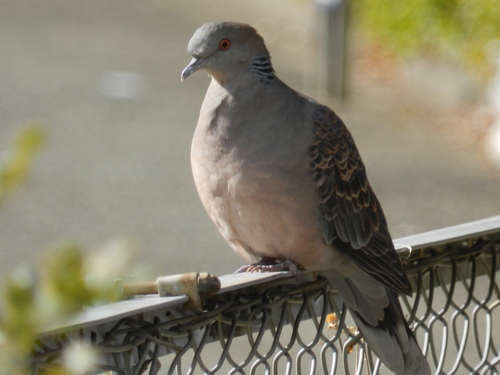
(332, 46)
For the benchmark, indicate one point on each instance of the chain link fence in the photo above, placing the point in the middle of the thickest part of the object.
(287, 325)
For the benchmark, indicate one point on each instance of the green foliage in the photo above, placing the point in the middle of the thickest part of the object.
(34, 300)
(18, 323)
(14, 170)
(32, 304)
(457, 30)
(63, 280)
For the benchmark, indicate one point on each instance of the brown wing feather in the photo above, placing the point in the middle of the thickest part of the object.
(351, 217)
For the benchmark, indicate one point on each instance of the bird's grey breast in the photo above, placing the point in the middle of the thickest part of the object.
(250, 176)
(246, 130)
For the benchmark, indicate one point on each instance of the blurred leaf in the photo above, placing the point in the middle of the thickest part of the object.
(19, 320)
(19, 301)
(63, 281)
(14, 170)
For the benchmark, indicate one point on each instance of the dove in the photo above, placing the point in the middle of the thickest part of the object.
(280, 176)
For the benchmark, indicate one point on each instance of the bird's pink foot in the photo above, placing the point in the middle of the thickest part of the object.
(270, 265)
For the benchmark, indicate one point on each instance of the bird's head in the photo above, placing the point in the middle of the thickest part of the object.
(224, 49)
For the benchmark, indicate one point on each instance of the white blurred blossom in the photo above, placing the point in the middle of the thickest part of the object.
(79, 359)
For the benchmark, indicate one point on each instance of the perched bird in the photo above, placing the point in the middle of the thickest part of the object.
(281, 177)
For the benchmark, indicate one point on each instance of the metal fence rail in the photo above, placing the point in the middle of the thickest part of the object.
(277, 324)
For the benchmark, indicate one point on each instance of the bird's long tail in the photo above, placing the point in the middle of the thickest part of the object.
(379, 317)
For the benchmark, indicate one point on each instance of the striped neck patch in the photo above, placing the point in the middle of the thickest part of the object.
(263, 68)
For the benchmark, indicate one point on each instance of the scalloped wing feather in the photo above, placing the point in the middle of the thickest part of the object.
(351, 217)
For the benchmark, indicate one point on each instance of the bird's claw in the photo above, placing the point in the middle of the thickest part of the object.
(270, 265)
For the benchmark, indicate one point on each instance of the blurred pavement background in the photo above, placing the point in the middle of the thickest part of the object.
(103, 79)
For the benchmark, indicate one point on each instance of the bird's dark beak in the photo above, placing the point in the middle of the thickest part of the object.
(192, 67)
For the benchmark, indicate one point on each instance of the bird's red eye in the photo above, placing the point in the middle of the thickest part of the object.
(224, 44)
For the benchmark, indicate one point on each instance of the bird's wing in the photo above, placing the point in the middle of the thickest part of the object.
(351, 217)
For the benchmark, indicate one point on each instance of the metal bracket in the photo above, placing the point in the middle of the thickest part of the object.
(198, 286)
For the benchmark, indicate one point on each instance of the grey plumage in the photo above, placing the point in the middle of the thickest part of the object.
(281, 177)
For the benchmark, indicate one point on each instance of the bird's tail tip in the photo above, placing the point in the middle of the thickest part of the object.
(415, 361)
